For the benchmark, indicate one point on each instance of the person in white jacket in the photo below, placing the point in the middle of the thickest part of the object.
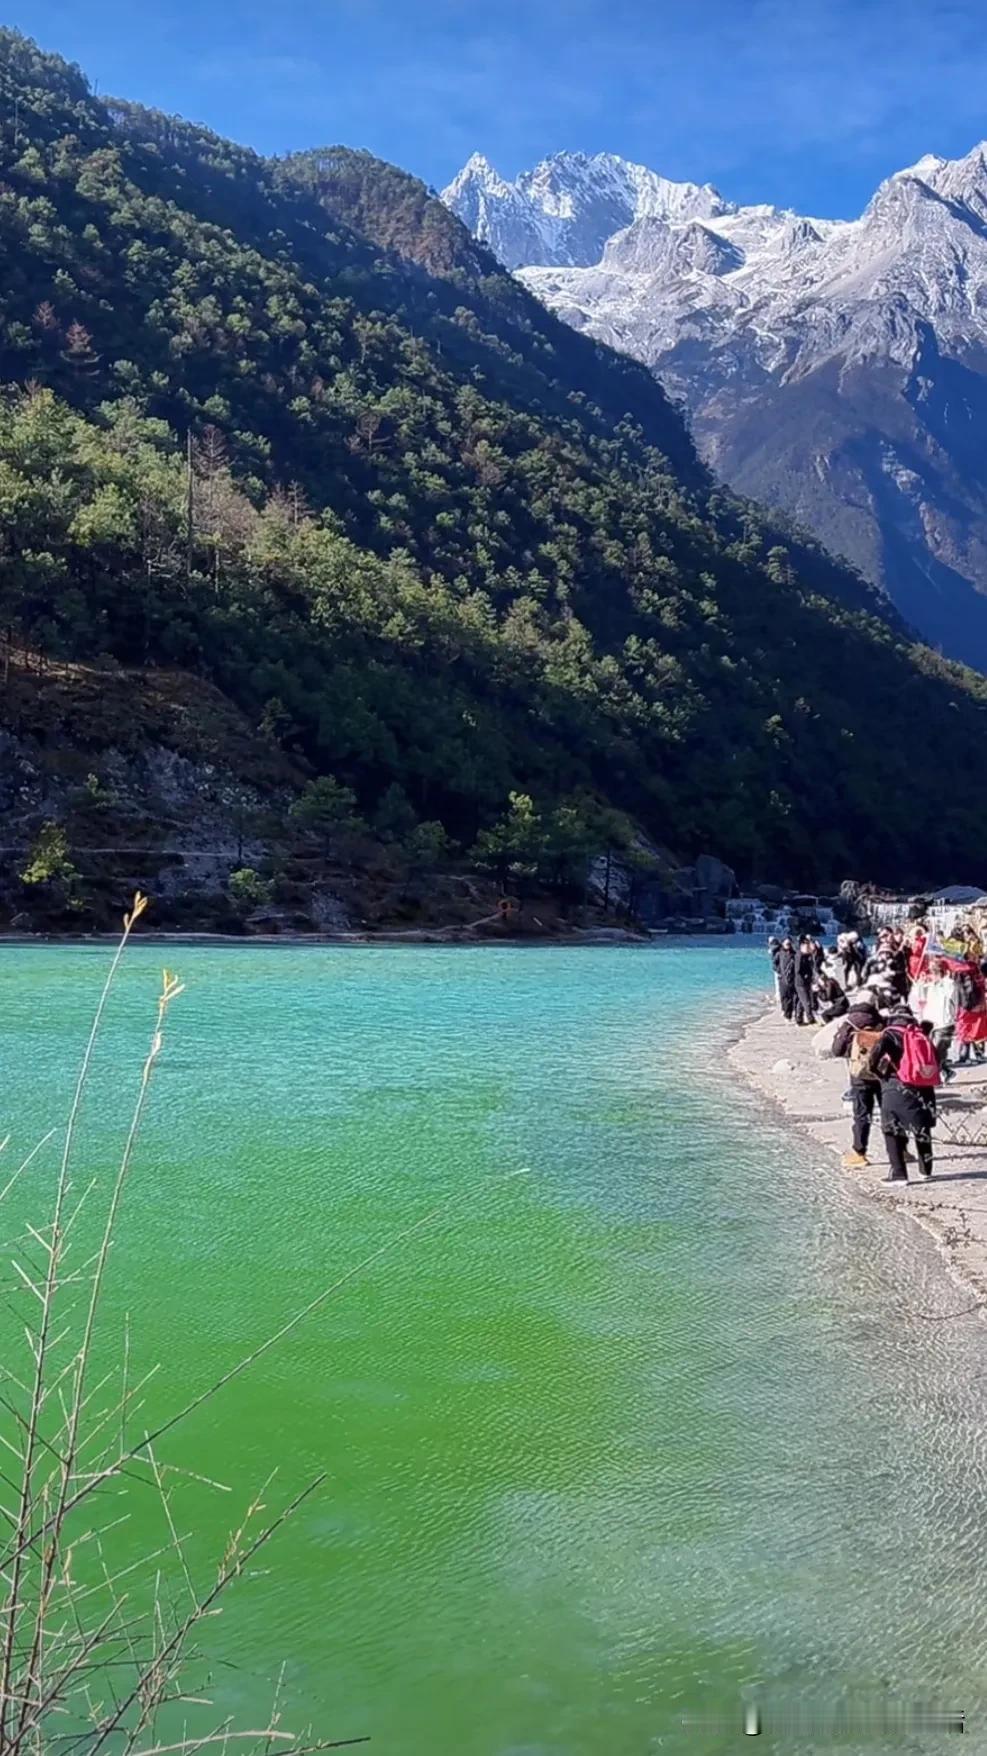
(933, 1001)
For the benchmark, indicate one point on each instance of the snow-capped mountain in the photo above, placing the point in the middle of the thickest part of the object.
(563, 212)
(837, 368)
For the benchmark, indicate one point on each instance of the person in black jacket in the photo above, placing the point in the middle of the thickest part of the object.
(865, 1089)
(905, 1109)
(832, 1001)
(785, 971)
(774, 952)
(853, 952)
(805, 976)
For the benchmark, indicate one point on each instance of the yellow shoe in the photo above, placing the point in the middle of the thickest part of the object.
(851, 1160)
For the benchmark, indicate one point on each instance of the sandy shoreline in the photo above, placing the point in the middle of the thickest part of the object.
(389, 936)
(776, 1059)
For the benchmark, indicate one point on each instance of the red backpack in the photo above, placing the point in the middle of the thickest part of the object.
(918, 1064)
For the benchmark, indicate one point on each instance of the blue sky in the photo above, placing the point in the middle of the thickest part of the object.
(807, 103)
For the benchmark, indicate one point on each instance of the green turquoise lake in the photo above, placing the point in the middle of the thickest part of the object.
(671, 1416)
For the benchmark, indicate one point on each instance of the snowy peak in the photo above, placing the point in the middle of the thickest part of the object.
(963, 181)
(568, 181)
(951, 176)
(500, 215)
(836, 367)
(577, 210)
(798, 234)
(697, 249)
(563, 212)
(477, 173)
(641, 248)
(635, 253)
(653, 246)
(961, 184)
(926, 167)
(898, 199)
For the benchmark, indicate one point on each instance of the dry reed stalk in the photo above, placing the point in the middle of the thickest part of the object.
(75, 1653)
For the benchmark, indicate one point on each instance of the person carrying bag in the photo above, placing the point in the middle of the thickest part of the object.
(905, 1062)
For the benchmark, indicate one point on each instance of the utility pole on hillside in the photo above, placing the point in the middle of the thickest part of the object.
(189, 508)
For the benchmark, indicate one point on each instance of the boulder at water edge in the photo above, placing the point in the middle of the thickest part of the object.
(822, 1042)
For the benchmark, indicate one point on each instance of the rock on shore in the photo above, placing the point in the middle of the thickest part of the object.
(777, 1059)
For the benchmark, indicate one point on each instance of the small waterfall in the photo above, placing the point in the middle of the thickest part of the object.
(748, 914)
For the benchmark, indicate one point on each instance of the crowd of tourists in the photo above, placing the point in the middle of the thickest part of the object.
(903, 1014)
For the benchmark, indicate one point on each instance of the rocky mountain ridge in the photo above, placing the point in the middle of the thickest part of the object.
(835, 368)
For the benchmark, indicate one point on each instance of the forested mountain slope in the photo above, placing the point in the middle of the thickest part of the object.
(285, 425)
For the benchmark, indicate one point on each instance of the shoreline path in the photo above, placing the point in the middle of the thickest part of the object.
(776, 1058)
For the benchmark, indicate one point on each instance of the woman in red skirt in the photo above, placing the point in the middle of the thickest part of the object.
(971, 1010)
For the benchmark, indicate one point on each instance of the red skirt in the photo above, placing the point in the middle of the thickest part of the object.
(971, 1027)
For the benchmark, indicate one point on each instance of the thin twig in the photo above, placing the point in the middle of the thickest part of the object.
(5, 1191)
(170, 990)
(195, 1615)
(51, 1282)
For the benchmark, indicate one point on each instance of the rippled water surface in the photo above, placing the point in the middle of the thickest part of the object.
(673, 1415)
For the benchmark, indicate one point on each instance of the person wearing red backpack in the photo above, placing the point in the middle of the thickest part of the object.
(906, 1064)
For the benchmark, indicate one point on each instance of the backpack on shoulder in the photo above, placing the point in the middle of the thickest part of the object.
(860, 1048)
(919, 1063)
